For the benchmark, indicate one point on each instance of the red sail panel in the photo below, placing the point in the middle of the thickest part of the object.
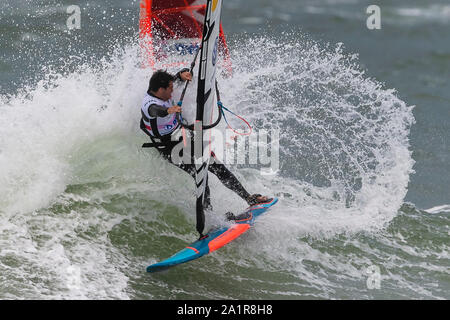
(174, 19)
(162, 20)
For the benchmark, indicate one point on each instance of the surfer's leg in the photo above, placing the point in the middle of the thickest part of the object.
(207, 201)
(232, 183)
(166, 152)
(228, 179)
(189, 168)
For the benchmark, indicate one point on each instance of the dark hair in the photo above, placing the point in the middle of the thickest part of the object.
(160, 79)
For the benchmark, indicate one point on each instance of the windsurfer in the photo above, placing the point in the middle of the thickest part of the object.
(160, 123)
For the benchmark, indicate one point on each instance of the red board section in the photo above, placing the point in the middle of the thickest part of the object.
(228, 236)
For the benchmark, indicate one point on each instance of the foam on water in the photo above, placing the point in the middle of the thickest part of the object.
(439, 209)
(52, 136)
(344, 138)
(72, 173)
(345, 158)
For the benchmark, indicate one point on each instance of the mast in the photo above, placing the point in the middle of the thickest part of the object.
(205, 103)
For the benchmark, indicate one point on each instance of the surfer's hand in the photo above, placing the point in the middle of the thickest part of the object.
(173, 109)
(186, 76)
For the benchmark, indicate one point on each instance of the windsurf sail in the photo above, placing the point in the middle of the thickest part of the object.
(168, 26)
(206, 103)
(185, 27)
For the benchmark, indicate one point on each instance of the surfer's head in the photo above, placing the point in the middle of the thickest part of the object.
(161, 85)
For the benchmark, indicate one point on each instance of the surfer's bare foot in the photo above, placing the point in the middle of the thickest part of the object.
(256, 198)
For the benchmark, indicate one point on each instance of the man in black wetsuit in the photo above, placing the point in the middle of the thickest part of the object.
(159, 122)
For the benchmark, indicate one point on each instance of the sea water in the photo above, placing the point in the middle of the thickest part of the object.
(362, 178)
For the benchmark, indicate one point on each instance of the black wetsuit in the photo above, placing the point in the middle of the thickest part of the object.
(216, 167)
(165, 147)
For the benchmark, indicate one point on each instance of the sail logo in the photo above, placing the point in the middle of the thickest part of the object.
(214, 52)
(214, 5)
(184, 49)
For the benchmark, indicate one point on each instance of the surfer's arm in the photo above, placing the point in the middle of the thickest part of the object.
(157, 111)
